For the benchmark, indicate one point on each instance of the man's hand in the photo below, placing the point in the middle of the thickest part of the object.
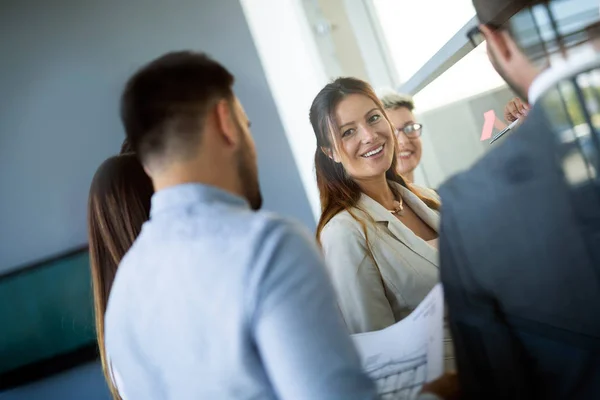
(515, 109)
(445, 387)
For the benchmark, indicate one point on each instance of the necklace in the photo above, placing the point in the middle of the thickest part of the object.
(398, 207)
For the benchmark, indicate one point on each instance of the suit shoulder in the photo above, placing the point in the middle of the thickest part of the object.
(512, 161)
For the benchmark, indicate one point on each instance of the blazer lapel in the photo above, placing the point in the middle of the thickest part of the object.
(399, 230)
(429, 216)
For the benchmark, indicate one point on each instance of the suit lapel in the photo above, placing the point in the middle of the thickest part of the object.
(399, 230)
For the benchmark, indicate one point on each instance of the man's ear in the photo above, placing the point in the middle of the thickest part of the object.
(225, 121)
(330, 153)
(499, 42)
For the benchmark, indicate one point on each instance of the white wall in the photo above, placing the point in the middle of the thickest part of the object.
(64, 65)
(373, 48)
(343, 38)
(295, 74)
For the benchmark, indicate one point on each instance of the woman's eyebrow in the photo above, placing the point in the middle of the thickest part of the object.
(351, 122)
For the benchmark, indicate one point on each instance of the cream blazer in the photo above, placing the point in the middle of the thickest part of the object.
(373, 295)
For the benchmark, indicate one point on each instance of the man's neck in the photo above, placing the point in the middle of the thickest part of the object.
(182, 173)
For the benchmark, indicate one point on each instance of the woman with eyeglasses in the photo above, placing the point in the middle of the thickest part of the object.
(378, 231)
(399, 109)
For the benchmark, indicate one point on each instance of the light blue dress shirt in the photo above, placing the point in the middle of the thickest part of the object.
(216, 301)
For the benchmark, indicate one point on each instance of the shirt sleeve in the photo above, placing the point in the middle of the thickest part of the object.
(356, 278)
(301, 339)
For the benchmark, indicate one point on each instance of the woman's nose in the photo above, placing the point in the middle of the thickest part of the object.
(368, 134)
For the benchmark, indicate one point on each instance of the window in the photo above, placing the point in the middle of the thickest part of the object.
(414, 32)
(469, 77)
(459, 119)
(462, 108)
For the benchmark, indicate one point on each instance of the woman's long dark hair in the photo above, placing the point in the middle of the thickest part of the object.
(338, 191)
(118, 206)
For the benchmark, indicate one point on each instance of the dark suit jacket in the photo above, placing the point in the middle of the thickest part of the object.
(520, 265)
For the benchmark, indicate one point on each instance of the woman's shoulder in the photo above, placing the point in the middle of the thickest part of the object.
(344, 224)
(423, 191)
(341, 220)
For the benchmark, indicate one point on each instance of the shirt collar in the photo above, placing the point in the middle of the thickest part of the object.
(560, 70)
(192, 193)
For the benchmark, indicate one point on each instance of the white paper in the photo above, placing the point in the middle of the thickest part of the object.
(402, 357)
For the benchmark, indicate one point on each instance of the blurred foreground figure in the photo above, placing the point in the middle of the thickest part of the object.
(520, 240)
(118, 206)
(216, 300)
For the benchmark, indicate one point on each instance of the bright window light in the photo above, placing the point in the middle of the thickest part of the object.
(415, 31)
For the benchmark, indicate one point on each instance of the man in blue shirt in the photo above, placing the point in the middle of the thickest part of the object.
(215, 300)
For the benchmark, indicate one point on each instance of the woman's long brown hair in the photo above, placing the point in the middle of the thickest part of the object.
(338, 191)
(118, 206)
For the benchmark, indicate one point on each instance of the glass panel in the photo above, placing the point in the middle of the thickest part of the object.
(535, 32)
(416, 30)
(45, 311)
(461, 111)
(469, 77)
(574, 112)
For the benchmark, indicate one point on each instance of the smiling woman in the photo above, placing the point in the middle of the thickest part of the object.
(399, 109)
(377, 231)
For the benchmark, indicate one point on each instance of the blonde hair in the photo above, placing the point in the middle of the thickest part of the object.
(392, 99)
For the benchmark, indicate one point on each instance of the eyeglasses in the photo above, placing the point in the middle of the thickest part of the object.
(475, 36)
(412, 131)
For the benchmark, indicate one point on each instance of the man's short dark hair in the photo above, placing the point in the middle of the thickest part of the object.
(165, 104)
(497, 13)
